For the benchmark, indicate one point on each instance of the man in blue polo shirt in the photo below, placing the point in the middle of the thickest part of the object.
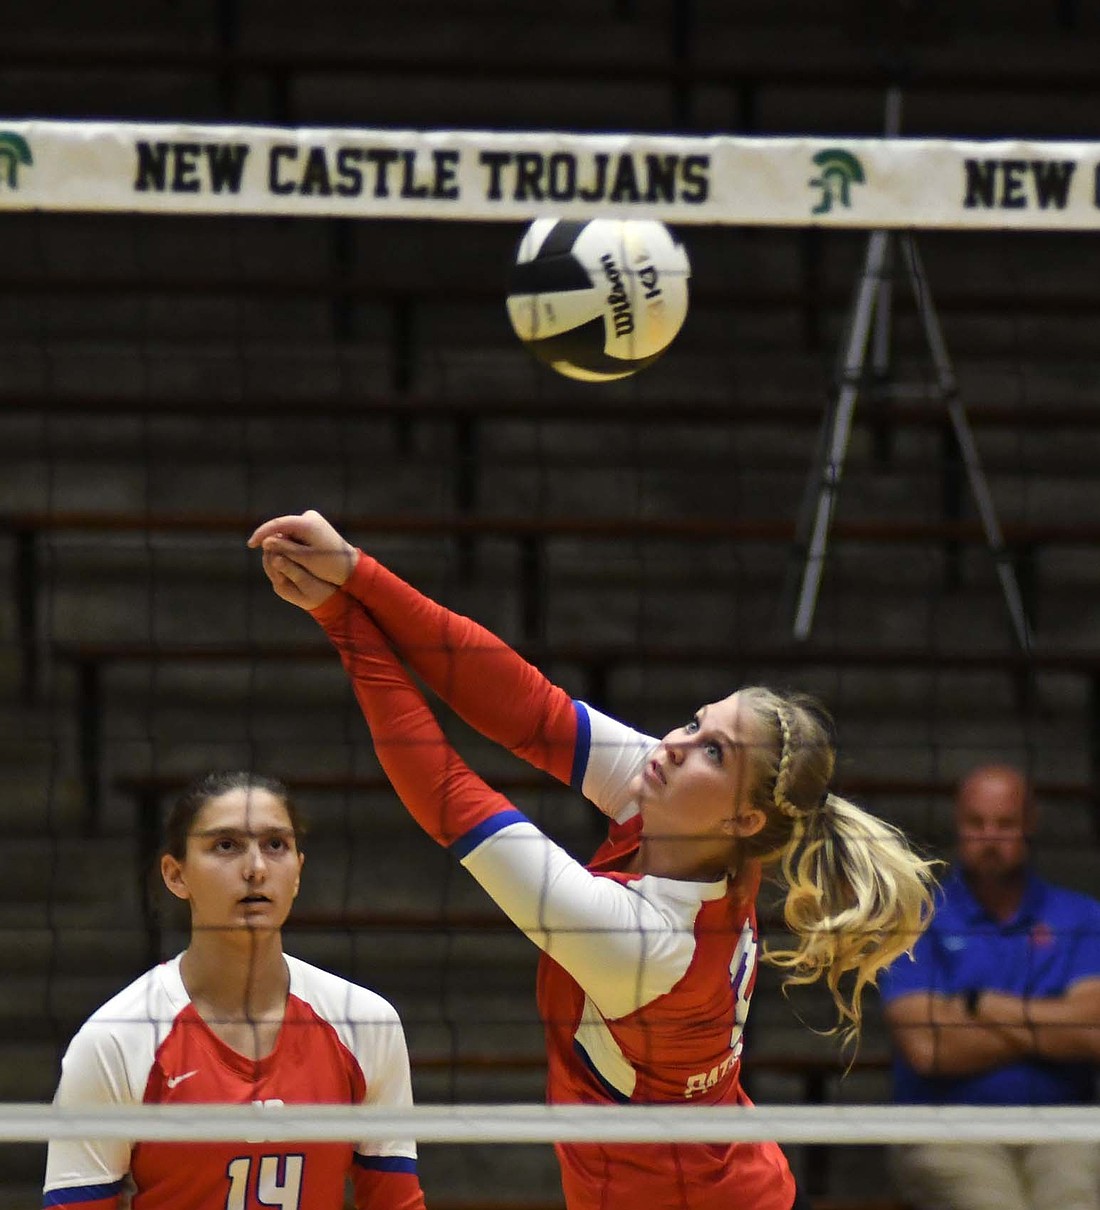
(1000, 1006)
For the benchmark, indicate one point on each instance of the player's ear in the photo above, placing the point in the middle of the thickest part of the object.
(298, 880)
(172, 872)
(746, 822)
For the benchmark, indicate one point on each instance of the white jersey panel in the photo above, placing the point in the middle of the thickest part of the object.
(624, 944)
(616, 755)
(605, 1054)
(370, 1028)
(108, 1063)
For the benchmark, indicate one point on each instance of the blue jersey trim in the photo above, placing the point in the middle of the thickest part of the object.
(610, 1089)
(582, 748)
(81, 1193)
(466, 844)
(386, 1163)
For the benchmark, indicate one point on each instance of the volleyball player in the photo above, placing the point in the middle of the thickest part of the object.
(235, 1019)
(650, 952)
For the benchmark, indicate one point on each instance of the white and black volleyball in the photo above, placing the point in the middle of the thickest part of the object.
(598, 300)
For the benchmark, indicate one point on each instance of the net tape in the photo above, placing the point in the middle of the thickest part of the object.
(494, 176)
(845, 1124)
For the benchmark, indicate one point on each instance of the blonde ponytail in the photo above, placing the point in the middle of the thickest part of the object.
(858, 896)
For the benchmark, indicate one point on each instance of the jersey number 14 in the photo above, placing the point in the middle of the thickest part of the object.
(278, 1181)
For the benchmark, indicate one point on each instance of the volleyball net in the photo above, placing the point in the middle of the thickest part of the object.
(200, 334)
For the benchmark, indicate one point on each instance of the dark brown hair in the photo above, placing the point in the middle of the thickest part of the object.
(213, 785)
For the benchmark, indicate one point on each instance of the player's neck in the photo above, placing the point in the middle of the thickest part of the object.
(684, 860)
(236, 979)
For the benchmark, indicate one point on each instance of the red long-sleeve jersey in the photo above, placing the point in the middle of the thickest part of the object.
(645, 982)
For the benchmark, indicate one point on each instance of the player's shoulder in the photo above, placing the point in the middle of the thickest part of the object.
(691, 908)
(138, 1001)
(335, 998)
(134, 1019)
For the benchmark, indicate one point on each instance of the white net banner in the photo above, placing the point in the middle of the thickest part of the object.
(842, 1124)
(480, 175)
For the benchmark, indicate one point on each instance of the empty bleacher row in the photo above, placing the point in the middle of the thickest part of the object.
(624, 64)
(401, 302)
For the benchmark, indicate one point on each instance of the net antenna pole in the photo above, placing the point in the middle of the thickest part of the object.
(870, 318)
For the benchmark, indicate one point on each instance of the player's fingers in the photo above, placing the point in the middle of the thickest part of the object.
(265, 530)
(290, 524)
(292, 571)
(326, 555)
(269, 566)
(283, 585)
(281, 573)
(312, 587)
(283, 556)
(285, 589)
(277, 544)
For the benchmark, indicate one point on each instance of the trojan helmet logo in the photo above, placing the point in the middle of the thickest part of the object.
(840, 170)
(14, 151)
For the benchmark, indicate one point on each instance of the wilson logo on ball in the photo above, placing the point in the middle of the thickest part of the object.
(621, 315)
(598, 300)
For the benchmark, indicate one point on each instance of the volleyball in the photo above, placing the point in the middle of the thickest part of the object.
(601, 299)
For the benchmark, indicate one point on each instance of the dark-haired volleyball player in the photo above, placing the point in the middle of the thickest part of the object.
(650, 952)
(235, 1019)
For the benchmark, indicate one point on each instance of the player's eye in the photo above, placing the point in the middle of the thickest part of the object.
(714, 751)
(691, 726)
(226, 844)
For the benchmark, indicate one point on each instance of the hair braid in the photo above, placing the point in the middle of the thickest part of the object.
(784, 769)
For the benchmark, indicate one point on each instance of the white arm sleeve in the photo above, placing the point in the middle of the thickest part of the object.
(616, 755)
(625, 945)
(368, 1025)
(389, 1081)
(93, 1072)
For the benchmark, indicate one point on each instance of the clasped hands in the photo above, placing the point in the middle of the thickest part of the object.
(304, 557)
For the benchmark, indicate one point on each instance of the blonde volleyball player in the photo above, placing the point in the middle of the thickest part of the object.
(235, 1019)
(650, 952)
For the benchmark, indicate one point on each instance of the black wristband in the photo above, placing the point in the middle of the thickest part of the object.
(970, 1001)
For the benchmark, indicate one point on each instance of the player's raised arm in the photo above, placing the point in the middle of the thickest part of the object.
(479, 676)
(618, 945)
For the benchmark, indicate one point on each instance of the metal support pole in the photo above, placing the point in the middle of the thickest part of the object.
(872, 306)
(837, 434)
(968, 449)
